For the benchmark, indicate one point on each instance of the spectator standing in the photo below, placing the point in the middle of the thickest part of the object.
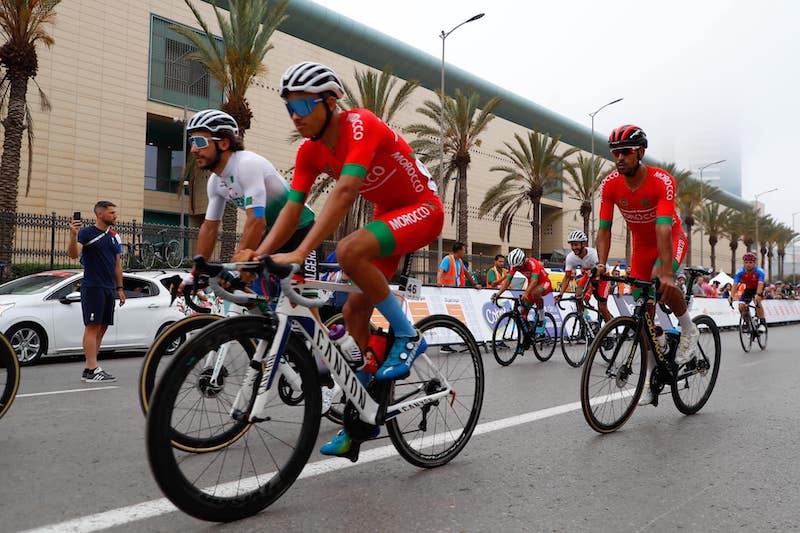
(697, 288)
(680, 281)
(726, 291)
(496, 274)
(100, 250)
(452, 270)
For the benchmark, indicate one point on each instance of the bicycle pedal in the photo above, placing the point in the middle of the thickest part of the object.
(257, 419)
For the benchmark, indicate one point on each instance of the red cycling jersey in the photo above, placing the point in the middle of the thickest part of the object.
(653, 202)
(408, 211)
(533, 270)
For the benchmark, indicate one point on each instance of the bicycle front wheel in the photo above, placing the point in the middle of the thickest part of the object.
(762, 332)
(9, 375)
(544, 343)
(173, 254)
(164, 347)
(745, 332)
(610, 389)
(248, 474)
(507, 338)
(433, 434)
(574, 340)
(696, 379)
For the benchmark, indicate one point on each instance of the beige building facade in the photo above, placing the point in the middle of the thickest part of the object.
(120, 86)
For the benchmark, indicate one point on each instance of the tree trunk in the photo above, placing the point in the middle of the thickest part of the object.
(463, 207)
(713, 257)
(536, 227)
(14, 127)
(734, 245)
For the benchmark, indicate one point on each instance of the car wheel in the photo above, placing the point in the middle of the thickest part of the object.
(173, 347)
(29, 342)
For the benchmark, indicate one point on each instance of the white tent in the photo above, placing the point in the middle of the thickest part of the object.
(723, 279)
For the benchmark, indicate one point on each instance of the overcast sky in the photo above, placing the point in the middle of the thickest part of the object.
(687, 70)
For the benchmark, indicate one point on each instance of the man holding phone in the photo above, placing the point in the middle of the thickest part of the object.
(100, 250)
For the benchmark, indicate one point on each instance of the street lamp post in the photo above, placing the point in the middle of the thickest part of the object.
(592, 115)
(755, 207)
(715, 178)
(794, 246)
(443, 36)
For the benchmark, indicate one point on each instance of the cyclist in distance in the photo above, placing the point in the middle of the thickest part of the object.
(751, 277)
(538, 283)
(243, 178)
(645, 196)
(366, 158)
(585, 257)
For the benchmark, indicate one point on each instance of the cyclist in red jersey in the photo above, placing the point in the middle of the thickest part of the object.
(538, 283)
(751, 277)
(646, 199)
(366, 158)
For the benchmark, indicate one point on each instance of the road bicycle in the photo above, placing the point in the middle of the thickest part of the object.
(168, 252)
(610, 390)
(9, 375)
(578, 331)
(751, 328)
(143, 255)
(513, 333)
(429, 415)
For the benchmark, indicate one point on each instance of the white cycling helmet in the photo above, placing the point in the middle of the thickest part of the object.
(516, 257)
(212, 120)
(308, 77)
(577, 236)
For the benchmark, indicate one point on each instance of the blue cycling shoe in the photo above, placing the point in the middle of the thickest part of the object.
(338, 445)
(402, 355)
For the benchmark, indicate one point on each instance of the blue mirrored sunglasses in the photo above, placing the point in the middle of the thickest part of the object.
(302, 106)
(200, 142)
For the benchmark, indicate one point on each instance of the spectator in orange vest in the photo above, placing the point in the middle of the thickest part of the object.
(496, 274)
(452, 272)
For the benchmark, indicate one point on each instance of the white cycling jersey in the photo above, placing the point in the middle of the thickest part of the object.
(588, 262)
(250, 181)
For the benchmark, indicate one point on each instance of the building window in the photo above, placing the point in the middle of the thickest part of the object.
(163, 154)
(174, 79)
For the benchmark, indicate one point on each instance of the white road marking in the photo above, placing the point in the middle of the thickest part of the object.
(145, 510)
(752, 363)
(87, 389)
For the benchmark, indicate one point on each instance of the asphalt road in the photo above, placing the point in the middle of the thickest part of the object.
(73, 459)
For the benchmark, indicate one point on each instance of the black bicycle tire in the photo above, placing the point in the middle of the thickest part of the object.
(583, 332)
(594, 352)
(170, 258)
(398, 436)
(178, 489)
(518, 324)
(552, 343)
(147, 255)
(11, 366)
(152, 359)
(764, 335)
(745, 339)
(683, 407)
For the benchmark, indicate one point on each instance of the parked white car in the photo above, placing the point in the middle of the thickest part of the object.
(41, 314)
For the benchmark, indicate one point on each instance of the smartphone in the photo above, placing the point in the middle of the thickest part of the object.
(76, 215)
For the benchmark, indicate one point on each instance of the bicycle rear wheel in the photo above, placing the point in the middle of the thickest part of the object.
(696, 379)
(432, 435)
(173, 254)
(248, 474)
(611, 389)
(507, 338)
(574, 340)
(745, 333)
(147, 255)
(9, 375)
(762, 332)
(544, 344)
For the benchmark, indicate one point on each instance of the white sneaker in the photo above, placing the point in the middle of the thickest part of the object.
(687, 348)
(327, 399)
(647, 394)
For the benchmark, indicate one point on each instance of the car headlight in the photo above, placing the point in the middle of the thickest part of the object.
(6, 306)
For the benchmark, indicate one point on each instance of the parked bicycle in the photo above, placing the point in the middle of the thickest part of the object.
(429, 416)
(514, 333)
(610, 390)
(143, 255)
(578, 330)
(9, 375)
(752, 329)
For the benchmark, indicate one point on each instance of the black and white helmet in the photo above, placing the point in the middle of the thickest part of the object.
(308, 77)
(577, 236)
(212, 120)
(516, 257)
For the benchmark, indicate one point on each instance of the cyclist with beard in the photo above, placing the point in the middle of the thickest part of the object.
(645, 196)
(585, 257)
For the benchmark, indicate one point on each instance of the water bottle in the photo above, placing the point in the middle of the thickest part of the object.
(352, 353)
(587, 316)
(673, 339)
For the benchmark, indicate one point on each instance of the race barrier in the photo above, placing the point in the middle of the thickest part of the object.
(475, 309)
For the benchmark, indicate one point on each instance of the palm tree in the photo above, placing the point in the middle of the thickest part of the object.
(535, 170)
(785, 236)
(713, 219)
(584, 176)
(22, 24)
(766, 226)
(246, 32)
(375, 94)
(734, 228)
(464, 124)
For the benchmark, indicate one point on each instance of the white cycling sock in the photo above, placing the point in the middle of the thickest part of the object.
(685, 320)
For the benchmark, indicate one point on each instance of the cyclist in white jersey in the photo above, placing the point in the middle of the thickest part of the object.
(585, 257)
